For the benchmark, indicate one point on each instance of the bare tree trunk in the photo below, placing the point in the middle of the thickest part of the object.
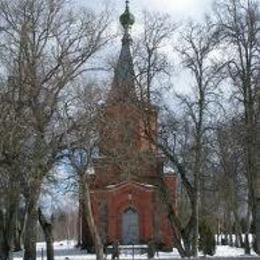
(195, 239)
(86, 200)
(18, 240)
(5, 253)
(30, 232)
(4, 248)
(7, 228)
(231, 238)
(238, 231)
(79, 226)
(246, 242)
(179, 235)
(87, 239)
(230, 233)
(19, 223)
(47, 228)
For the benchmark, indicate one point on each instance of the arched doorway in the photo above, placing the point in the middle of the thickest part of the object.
(130, 227)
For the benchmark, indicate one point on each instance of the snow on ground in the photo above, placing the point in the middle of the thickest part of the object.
(66, 250)
(231, 251)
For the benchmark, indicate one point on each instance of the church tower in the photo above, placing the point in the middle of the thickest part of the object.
(124, 119)
(125, 196)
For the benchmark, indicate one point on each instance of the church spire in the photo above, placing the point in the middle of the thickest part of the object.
(123, 88)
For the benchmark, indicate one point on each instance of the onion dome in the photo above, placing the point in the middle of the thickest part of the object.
(127, 19)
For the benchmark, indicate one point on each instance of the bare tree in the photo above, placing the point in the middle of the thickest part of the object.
(48, 46)
(198, 44)
(197, 50)
(80, 158)
(150, 59)
(231, 181)
(13, 136)
(239, 22)
(47, 227)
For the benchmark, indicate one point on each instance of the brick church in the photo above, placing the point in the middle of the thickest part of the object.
(126, 201)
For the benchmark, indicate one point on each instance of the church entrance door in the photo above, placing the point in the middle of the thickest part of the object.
(130, 227)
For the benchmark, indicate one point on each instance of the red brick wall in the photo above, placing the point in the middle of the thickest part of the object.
(144, 199)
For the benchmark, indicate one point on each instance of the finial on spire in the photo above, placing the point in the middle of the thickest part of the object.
(127, 19)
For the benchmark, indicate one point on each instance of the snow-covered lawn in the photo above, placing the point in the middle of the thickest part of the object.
(66, 250)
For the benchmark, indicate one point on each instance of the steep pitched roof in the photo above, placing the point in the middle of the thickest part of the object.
(123, 86)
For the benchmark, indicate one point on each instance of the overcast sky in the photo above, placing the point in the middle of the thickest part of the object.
(178, 8)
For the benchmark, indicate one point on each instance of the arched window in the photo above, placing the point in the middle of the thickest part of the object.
(130, 227)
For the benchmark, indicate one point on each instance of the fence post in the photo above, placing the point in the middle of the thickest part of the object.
(42, 253)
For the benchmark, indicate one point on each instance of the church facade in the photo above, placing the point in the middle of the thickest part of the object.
(126, 189)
